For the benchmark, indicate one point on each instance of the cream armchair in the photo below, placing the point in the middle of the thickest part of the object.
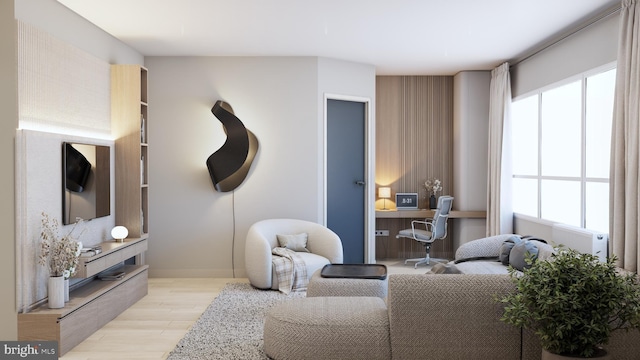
(323, 244)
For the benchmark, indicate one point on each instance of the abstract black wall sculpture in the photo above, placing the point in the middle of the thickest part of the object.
(229, 165)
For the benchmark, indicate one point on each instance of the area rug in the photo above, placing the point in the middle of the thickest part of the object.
(232, 326)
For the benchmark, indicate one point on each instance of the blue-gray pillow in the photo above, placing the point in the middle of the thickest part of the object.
(520, 252)
(507, 246)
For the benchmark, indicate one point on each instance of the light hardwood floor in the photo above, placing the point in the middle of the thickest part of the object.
(152, 327)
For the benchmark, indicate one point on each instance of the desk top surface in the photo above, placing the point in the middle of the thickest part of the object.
(426, 213)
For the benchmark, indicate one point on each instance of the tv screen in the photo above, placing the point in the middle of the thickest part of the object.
(86, 183)
(77, 169)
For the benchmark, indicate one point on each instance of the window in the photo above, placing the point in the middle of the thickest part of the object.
(561, 144)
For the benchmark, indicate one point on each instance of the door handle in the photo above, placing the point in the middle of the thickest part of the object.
(360, 182)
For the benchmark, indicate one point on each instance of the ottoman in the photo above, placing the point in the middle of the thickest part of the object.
(322, 286)
(328, 328)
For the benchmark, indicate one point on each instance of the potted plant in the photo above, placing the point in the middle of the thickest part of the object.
(573, 302)
(60, 255)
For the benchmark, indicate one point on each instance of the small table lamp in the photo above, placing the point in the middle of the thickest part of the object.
(384, 193)
(119, 233)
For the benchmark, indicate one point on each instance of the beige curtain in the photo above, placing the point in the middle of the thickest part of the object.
(624, 193)
(499, 209)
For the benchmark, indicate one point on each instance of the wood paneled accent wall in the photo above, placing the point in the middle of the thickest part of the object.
(414, 142)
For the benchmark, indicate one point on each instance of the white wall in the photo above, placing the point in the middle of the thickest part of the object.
(194, 230)
(8, 124)
(470, 155)
(64, 24)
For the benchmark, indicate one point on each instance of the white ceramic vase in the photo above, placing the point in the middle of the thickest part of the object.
(66, 290)
(56, 292)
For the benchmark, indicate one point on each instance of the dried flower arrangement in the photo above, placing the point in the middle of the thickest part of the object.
(433, 186)
(59, 253)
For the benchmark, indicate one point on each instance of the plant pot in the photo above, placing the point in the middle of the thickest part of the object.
(433, 202)
(55, 292)
(601, 354)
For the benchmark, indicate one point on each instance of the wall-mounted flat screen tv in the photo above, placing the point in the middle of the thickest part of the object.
(86, 186)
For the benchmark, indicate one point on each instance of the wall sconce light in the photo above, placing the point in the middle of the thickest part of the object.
(229, 165)
(384, 193)
(119, 233)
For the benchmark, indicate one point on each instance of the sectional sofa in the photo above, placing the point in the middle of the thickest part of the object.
(425, 316)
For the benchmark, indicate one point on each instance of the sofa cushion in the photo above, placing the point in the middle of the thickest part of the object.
(450, 317)
(321, 328)
(482, 267)
(297, 242)
(321, 286)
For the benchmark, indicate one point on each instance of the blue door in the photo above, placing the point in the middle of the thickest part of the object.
(346, 175)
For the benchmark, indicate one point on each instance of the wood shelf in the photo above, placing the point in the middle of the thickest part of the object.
(89, 308)
(112, 253)
(425, 213)
(89, 292)
(128, 104)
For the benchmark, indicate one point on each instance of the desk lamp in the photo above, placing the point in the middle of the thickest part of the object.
(384, 193)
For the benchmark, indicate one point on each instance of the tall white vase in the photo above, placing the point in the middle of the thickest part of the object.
(56, 292)
(66, 290)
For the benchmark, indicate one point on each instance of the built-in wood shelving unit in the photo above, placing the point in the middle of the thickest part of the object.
(90, 307)
(129, 122)
(94, 302)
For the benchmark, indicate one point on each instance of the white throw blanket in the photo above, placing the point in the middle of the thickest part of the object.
(290, 270)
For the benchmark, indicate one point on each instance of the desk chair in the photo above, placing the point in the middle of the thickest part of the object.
(434, 229)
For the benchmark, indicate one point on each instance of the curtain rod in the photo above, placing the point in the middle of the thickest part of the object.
(586, 24)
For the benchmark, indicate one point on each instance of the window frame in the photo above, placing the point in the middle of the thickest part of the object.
(582, 179)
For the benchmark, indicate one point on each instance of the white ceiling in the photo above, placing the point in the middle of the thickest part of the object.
(401, 37)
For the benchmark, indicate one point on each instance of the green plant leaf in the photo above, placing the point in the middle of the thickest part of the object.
(573, 301)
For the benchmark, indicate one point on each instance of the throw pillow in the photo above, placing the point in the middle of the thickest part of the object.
(520, 252)
(441, 268)
(506, 247)
(297, 242)
(483, 249)
(545, 251)
(531, 237)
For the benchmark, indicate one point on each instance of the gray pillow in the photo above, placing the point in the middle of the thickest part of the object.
(520, 252)
(297, 242)
(484, 248)
(506, 247)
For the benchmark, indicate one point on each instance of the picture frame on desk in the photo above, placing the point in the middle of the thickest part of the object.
(407, 201)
